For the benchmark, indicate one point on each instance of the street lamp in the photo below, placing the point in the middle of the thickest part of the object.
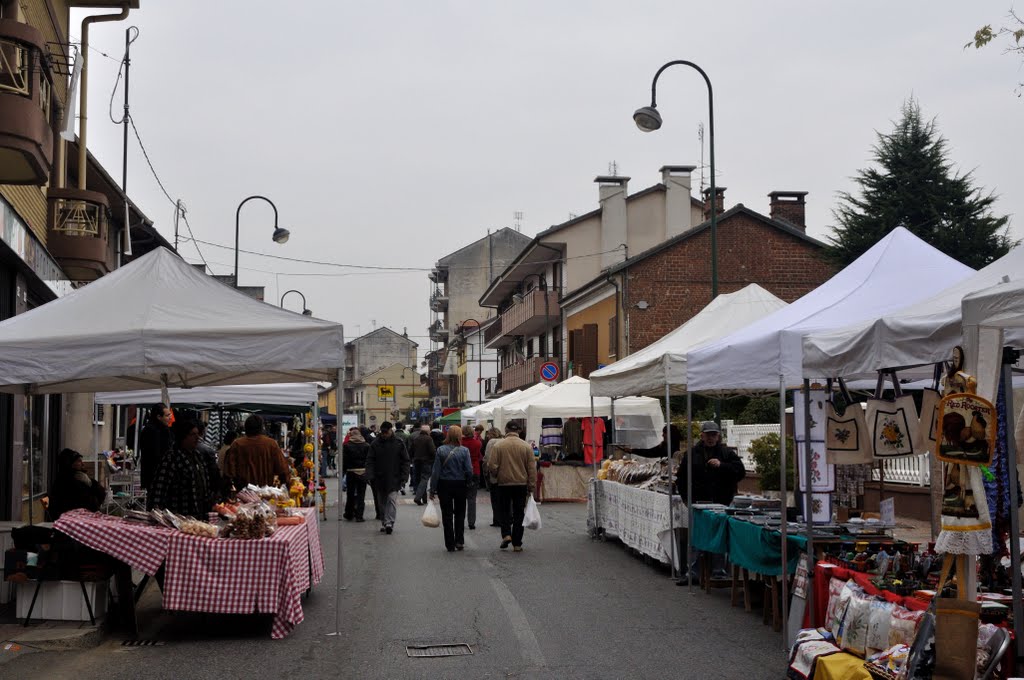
(280, 234)
(479, 350)
(648, 119)
(305, 311)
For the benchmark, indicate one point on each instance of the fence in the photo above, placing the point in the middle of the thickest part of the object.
(906, 470)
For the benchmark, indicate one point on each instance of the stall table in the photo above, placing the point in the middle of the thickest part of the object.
(565, 482)
(224, 576)
(639, 518)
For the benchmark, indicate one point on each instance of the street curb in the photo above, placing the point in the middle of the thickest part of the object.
(56, 639)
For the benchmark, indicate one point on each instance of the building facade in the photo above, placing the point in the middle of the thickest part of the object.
(380, 348)
(63, 223)
(457, 281)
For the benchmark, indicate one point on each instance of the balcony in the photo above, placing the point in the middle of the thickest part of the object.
(439, 301)
(438, 332)
(439, 274)
(537, 312)
(26, 138)
(523, 374)
(78, 232)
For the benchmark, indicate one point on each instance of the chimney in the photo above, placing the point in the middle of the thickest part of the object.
(676, 179)
(612, 197)
(790, 207)
(719, 202)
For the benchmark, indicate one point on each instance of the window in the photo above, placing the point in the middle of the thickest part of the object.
(613, 337)
(543, 346)
(556, 342)
(529, 348)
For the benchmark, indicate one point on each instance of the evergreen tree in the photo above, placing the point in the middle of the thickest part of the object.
(915, 186)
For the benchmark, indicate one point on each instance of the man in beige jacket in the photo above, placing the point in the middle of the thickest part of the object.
(513, 465)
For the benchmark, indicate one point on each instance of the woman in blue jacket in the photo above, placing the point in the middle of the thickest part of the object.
(449, 479)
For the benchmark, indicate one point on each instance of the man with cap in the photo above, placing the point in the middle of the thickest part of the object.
(387, 465)
(717, 471)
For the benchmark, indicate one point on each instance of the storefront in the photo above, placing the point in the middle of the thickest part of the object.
(29, 277)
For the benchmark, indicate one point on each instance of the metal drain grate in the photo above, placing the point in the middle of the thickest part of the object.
(430, 651)
(142, 643)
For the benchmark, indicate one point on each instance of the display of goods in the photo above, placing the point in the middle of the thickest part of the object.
(253, 520)
(194, 527)
(640, 472)
(267, 492)
(226, 510)
(140, 516)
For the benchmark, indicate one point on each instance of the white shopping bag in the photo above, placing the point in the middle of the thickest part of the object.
(431, 515)
(532, 518)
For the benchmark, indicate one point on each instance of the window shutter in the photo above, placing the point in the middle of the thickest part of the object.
(587, 351)
(613, 337)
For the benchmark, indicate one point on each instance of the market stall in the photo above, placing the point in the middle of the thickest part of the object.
(481, 413)
(639, 518)
(501, 413)
(159, 323)
(767, 355)
(224, 576)
(660, 368)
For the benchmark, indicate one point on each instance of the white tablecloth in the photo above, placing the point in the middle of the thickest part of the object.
(637, 517)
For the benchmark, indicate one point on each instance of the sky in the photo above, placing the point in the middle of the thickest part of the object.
(391, 134)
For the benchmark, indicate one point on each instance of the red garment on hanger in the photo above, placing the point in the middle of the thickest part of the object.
(593, 428)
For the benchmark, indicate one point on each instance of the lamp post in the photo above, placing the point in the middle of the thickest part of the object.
(280, 234)
(479, 351)
(648, 119)
(305, 310)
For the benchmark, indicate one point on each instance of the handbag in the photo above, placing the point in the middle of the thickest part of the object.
(846, 440)
(892, 424)
(929, 425)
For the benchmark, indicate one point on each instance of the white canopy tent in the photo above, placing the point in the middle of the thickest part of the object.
(499, 413)
(482, 412)
(899, 270)
(662, 363)
(921, 333)
(160, 322)
(284, 394)
(571, 399)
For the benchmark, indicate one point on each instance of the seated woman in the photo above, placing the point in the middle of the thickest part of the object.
(182, 483)
(72, 486)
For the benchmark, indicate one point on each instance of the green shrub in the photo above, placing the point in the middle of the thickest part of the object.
(765, 452)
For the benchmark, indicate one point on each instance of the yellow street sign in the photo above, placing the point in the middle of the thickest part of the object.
(385, 392)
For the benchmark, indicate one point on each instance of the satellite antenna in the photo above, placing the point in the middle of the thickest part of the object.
(613, 169)
(518, 217)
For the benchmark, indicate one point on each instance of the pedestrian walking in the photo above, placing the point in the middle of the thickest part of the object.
(515, 470)
(353, 463)
(449, 479)
(423, 452)
(387, 465)
(493, 436)
(472, 444)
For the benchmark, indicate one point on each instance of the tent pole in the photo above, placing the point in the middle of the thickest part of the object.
(316, 456)
(783, 520)
(338, 588)
(668, 455)
(1010, 358)
(593, 458)
(808, 498)
(31, 457)
(95, 442)
(689, 490)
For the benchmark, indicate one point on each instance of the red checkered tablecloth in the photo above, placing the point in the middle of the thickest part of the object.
(226, 576)
(140, 546)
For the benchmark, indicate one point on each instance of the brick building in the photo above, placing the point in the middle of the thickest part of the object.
(661, 288)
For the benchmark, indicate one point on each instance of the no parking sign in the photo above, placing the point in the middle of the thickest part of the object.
(549, 371)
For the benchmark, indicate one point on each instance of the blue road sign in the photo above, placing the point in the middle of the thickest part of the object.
(549, 371)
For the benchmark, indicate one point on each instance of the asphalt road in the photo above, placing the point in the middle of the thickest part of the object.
(565, 607)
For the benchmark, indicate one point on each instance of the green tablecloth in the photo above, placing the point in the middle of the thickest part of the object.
(758, 549)
(710, 531)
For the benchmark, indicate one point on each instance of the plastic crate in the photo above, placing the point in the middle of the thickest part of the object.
(61, 600)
